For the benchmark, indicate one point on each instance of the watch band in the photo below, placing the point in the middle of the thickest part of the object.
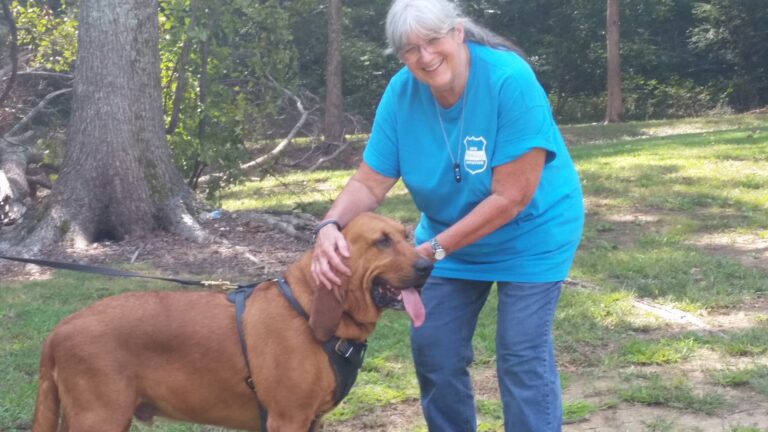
(323, 224)
(437, 251)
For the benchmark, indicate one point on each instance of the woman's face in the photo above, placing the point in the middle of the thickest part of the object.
(439, 62)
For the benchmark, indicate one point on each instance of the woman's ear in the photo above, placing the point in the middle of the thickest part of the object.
(459, 31)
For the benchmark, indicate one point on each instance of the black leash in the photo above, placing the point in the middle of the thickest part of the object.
(106, 271)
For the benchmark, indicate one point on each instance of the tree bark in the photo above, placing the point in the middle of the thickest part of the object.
(14, 51)
(614, 112)
(118, 177)
(334, 129)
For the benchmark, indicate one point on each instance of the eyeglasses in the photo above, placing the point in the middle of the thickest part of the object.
(412, 52)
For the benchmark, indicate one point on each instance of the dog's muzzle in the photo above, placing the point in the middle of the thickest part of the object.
(386, 297)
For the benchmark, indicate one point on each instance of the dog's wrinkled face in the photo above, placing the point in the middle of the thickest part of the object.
(388, 268)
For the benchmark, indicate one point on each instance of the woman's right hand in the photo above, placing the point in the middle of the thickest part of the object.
(327, 258)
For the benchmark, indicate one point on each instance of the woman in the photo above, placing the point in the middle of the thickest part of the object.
(469, 129)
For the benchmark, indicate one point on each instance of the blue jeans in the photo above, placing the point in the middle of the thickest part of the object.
(525, 361)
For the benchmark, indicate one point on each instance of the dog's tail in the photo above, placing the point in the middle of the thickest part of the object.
(47, 406)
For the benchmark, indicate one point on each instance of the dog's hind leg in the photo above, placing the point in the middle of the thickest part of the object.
(47, 405)
(91, 406)
(93, 421)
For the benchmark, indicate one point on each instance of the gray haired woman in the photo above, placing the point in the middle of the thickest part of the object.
(468, 128)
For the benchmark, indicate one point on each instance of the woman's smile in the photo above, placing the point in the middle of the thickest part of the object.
(437, 65)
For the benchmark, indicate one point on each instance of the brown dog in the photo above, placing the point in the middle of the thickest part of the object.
(178, 355)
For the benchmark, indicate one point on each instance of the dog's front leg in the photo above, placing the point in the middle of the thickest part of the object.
(290, 423)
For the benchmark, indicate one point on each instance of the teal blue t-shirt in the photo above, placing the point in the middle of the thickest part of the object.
(506, 114)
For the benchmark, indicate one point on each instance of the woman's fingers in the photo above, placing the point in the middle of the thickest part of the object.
(327, 261)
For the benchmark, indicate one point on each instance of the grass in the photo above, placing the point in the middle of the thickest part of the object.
(653, 389)
(653, 191)
(755, 376)
(574, 412)
(657, 352)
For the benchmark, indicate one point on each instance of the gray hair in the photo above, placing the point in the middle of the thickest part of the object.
(434, 18)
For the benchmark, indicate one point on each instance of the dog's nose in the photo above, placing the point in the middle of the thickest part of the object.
(423, 266)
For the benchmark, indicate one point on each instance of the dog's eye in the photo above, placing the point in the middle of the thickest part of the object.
(384, 241)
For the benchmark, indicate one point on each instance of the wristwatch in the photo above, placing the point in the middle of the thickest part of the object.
(437, 250)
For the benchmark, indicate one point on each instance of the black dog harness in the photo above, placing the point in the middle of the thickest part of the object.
(346, 357)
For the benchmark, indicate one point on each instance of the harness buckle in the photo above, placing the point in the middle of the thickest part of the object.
(219, 284)
(344, 348)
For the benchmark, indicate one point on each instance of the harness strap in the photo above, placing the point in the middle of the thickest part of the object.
(288, 294)
(238, 297)
(346, 357)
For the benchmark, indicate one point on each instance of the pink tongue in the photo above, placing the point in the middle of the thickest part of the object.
(413, 305)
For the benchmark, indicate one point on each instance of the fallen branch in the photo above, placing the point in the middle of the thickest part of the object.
(329, 157)
(295, 225)
(292, 134)
(12, 134)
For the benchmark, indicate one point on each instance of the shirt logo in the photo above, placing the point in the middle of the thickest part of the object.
(475, 159)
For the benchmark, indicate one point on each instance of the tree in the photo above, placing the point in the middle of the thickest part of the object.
(14, 56)
(334, 128)
(614, 112)
(117, 177)
(730, 35)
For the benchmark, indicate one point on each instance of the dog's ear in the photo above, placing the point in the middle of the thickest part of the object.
(325, 314)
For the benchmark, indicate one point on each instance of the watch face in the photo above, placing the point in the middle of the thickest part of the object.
(439, 254)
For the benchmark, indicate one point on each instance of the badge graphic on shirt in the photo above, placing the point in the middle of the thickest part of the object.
(475, 160)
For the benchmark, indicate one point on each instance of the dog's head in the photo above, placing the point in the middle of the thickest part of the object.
(387, 272)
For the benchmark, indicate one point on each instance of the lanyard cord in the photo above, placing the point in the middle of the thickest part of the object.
(454, 162)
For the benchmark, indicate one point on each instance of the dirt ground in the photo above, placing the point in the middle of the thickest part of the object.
(251, 250)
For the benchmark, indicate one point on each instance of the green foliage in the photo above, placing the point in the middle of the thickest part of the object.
(235, 50)
(730, 34)
(50, 35)
(674, 97)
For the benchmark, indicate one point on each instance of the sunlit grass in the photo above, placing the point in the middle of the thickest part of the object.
(661, 352)
(311, 192)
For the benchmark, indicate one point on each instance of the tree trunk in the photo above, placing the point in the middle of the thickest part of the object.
(14, 51)
(614, 112)
(334, 129)
(118, 177)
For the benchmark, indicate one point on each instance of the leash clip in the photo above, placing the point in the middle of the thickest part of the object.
(219, 284)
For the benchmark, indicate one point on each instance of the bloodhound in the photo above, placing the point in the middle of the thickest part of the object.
(179, 355)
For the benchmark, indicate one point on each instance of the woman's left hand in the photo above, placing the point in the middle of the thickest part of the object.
(425, 250)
